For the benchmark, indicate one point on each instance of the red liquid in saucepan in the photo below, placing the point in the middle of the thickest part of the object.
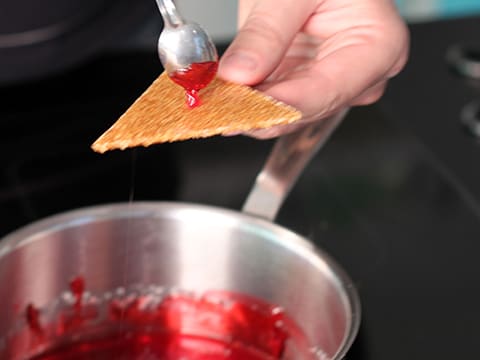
(77, 287)
(146, 346)
(195, 78)
(218, 325)
(32, 317)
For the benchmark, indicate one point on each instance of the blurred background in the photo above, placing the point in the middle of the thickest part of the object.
(394, 196)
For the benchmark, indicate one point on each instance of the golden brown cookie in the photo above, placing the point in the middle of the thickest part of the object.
(161, 115)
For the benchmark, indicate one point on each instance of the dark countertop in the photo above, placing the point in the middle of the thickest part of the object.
(391, 197)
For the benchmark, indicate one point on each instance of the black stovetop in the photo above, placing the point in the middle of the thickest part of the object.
(389, 203)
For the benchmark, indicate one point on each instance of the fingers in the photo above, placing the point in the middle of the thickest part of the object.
(275, 131)
(244, 8)
(350, 70)
(358, 46)
(264, 37)
(371, 95)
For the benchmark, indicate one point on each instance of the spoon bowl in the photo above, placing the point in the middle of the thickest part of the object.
(182, 43)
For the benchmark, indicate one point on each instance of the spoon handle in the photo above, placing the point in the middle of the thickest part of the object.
(171, 16)
(289, 156)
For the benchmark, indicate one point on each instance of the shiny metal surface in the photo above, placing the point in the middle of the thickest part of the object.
(181, 42)
(183, 246)
(170, 14)
(289, 156)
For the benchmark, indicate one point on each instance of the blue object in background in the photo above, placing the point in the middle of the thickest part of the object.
(428, 10)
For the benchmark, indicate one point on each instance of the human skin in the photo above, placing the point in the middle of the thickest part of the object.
(320, 56)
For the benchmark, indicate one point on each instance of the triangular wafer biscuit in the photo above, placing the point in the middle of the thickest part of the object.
(161, 115)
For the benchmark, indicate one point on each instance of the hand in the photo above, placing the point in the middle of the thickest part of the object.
(319, 56)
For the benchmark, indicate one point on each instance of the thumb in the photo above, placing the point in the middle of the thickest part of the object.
(263, 40)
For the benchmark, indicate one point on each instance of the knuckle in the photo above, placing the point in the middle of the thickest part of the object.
(370, 96)
(259, 28)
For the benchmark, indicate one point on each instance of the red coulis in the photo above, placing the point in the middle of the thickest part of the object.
(155, 345)
(33, 318)
(194, 78)
(77, 287)
(218, 325)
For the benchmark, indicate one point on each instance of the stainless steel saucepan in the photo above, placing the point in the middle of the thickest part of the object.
(192, 247)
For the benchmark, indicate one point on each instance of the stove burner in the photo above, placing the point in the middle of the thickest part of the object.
(465, 60)
(42, 38)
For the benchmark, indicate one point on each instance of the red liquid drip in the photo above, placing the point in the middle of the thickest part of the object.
(218, 325)
(32, 314)
(77, 287)
(79, 315)
(195, 78)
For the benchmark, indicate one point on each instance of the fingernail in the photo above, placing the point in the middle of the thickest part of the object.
(240, 61)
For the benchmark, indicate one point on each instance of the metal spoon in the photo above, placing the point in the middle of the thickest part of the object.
(182, 43)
